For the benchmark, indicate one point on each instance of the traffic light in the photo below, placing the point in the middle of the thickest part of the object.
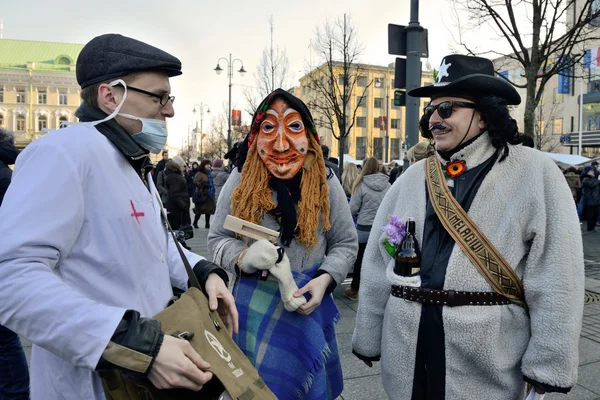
(399, 98)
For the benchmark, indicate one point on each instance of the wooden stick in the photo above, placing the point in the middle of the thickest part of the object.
(253, 231)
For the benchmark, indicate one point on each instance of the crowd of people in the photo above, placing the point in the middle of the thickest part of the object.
(492, 308)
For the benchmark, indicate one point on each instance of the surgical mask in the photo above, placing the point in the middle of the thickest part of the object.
(153, 135)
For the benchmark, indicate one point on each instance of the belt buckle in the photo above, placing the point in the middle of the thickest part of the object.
(404, 294)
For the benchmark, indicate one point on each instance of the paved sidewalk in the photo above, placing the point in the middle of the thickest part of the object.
(364, 383)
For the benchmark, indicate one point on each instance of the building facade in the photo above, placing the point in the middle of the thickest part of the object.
(38, 87)
(371, 104)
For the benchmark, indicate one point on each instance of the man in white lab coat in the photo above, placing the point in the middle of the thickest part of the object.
(86, 259)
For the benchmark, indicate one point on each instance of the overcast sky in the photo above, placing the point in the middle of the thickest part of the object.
(200, 32)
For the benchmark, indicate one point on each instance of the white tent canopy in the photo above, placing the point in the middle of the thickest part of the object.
(348, 158)
(567, 159)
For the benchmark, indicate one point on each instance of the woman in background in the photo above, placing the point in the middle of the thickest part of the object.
(367, 193)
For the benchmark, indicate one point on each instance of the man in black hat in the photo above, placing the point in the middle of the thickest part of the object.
(89, 261)
(498, 297)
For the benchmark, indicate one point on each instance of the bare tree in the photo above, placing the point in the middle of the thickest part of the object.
(544, 126)
(215, 143)
(334, 81)
(558, 30)
(272, 73)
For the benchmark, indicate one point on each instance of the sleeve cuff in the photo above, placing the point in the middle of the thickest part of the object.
(545, 387)
(367, 360)
(331, 286)
(134, 345)
(204, 268)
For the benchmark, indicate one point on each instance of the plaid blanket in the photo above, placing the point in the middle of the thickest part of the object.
(296, 355)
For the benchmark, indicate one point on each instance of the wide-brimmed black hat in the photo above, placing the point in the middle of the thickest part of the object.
(469, 76)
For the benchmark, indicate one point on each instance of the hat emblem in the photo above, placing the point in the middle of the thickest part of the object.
(443, 71)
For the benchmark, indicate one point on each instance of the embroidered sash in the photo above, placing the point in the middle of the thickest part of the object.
(476, 246)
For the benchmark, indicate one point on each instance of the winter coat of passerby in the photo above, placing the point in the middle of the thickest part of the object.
(573, 181)
(219, 175)
(367, 194)
(204, 194)
(591, 197)
(14, 373)
(394, 173)
(189, 176)
(178, 203)
(85, 257)
(160, 186)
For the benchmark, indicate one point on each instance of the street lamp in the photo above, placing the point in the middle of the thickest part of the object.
(218, 70)
(201, 106)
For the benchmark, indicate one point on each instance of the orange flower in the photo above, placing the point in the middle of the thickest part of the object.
(455, 168)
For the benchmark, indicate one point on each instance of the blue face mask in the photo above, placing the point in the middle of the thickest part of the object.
(153, 135)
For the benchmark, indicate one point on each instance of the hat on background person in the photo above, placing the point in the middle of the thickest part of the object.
(587, 169)
(112, 56)
(218, 163)
(469, 77)
(179, 161)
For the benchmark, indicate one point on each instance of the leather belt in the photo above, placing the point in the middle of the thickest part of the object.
(449, 298)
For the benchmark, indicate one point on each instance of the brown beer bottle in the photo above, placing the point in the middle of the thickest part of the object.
(408, 259)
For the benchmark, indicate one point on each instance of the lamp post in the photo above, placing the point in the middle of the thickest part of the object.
(218, 70)
(201, 106)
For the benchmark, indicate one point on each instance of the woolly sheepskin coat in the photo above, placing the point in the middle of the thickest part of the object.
(525, 208)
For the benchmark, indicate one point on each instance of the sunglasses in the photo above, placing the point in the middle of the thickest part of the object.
(445, 108)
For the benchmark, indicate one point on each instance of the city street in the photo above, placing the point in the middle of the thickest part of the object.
(364, 383)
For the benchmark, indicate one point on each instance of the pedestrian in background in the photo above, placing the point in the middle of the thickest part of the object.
(573, 181)
(331, 164)
(189, 176)
(591, 197)
(419, 151)
(349, 176)
(160, 165)
(394, 173)
(204, 194)
(367, 193)
(14, 374)
(219, 175)
(178, 203)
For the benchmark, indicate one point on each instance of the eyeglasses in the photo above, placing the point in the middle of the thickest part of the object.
(164, 98)
(445, 108)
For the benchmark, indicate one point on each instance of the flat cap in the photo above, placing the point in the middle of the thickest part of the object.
(111, 56)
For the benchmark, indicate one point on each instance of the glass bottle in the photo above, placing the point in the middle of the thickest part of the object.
(408, 259)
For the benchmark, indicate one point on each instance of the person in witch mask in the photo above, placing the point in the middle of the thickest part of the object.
(281, 182)
(497, 302)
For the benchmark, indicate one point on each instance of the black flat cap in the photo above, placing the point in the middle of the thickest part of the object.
(111, 56)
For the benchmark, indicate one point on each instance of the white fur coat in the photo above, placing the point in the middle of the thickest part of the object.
(525, 208)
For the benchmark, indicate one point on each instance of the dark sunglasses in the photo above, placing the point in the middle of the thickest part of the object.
(445, 108)
(163, 98)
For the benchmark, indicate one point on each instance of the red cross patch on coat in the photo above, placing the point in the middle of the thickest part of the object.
(135, 214)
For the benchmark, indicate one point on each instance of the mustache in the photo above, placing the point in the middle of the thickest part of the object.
(437, 127)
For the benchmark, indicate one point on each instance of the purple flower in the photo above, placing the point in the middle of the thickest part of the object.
(395, 230)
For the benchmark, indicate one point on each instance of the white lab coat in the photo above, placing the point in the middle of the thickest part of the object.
(74, 255)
